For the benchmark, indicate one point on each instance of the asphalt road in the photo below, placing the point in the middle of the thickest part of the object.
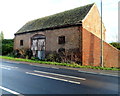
(29, 79)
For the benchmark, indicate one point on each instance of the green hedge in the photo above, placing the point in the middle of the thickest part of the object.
(6, 47)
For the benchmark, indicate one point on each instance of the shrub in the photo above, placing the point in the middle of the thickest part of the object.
(23, 53)
(28, 53)
(6, 47)
(54, 57)
(16, 53)
(11, 54)
(115, 44)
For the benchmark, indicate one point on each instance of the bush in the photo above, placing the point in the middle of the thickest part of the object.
(22, 53)
(16, 53)
(11, 54)
(116, 45)
(6, 49)
(6, 46)
(28, 53)
(54, 57)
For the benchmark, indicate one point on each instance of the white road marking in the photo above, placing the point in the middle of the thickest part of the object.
(98, 73)
(10, 91)
(60, 75)
(8, 66)
(44, 66)
(5, 68)
(54, 67)
(53, 78)
(87, 72)
(40, 66)
(109, 75)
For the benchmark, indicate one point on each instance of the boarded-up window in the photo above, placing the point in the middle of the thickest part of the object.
(21, 42)
(61, 40)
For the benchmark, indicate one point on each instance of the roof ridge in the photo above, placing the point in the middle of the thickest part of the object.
(62, 12)
(71, 16)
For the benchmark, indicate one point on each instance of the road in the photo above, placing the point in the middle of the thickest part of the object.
(24, 79)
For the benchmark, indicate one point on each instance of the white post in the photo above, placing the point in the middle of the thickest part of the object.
(101, 57)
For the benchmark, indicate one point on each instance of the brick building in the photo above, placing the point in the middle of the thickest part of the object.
(75, 32)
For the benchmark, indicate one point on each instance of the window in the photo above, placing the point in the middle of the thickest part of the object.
(61, 40)
(21, 42)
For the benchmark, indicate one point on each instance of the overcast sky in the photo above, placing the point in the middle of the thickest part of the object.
(15, 13)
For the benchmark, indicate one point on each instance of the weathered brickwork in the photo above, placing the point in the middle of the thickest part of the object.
(72, 41)
(111, 56)
(82, 41)
(26, 40)
(77, 38)
(71, 38)
(91, 51)
(92, 22)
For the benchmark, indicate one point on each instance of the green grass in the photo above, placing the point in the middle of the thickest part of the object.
(61, 64)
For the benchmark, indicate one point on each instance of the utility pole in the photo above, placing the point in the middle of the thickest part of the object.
(101, 49)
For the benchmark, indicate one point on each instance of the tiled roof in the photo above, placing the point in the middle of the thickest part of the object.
(70, 17)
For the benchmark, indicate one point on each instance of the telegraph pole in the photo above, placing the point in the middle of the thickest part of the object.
(101, 49)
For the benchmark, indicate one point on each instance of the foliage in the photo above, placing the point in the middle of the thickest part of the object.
(6, 46)
(54, 57)
(28, 53)
(17, 53)
(1, 36)
(7, 41)
(116, 45)
(22, 53)
(61, 64)
(65, 56)
(35, 58)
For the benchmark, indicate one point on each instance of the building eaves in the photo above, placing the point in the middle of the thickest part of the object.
(63, 19)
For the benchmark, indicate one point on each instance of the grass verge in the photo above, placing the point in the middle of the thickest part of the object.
(56, 63)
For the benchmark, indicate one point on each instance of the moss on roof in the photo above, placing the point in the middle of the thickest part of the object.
(70, 17)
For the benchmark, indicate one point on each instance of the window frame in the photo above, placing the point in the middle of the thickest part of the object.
(61, 39)
(21, 43)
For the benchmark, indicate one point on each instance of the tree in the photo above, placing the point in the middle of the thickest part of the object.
(116, 45)
(6, 47)
(1, 35)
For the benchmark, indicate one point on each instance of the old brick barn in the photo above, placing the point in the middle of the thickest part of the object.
(74, 33)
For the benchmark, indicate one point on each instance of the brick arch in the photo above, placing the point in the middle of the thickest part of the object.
(38, 36)
(38, 45)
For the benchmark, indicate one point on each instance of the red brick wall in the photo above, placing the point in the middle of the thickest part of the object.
(111, 56)
(91, 51)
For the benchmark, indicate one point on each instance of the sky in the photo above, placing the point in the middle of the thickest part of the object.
(15, 13)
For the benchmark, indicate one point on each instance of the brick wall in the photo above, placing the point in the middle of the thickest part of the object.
(92, 22)
(111, 56)
(72, 41)
(71, 34)
(91, 51)
(71, 38)
(26, 40)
